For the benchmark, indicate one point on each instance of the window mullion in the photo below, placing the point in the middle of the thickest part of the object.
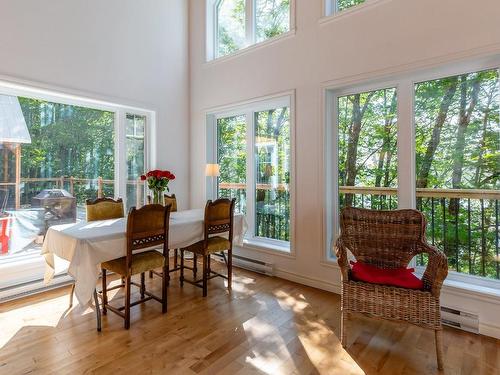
(120, 156)
(250, 177)
(406, 146)
(250, 22)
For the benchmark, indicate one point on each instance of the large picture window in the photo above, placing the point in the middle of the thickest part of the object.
(253, 150)
(443, 159)
(55, 154)
(238, 24)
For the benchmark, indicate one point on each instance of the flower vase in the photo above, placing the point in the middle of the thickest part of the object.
(158, 197)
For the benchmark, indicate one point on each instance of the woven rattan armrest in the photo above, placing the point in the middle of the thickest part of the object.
(342, 260)
(436, 270)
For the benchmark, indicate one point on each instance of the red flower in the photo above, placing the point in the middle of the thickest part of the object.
(143, 178)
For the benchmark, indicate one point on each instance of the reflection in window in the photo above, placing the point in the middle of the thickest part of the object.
(134, 131)
(231, 154)
(272, 149)
(272, 18)
(230, 26)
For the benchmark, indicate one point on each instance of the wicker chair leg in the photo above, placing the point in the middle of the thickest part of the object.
(343, 328)
(439, 348)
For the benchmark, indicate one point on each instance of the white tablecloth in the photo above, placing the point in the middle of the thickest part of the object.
(85, 245)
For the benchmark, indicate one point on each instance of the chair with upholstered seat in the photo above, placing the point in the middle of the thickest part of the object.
(104, 209)
(146, 227)
(172, 200)
(388, 241)
(218, 237)
(100, 209)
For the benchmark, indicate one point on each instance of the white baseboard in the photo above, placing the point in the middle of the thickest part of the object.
(309, 281)
(488, 329)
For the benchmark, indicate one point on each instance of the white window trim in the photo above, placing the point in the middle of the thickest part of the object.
(248, 108)
(404, 83)
(32, 264)
(250, 26)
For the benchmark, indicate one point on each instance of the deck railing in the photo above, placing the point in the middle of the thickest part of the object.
(81, 188)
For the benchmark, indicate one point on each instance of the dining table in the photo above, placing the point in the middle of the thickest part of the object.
(85, 245)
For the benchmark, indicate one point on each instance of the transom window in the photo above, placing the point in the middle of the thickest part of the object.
(237, 24)
(253, 149)
(336, 6)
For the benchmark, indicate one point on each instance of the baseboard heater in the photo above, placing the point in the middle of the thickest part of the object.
(460, 319)
(250, 264)
(33, 287)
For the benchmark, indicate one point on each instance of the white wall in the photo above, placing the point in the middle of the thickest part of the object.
(123, 51)
(385, 38)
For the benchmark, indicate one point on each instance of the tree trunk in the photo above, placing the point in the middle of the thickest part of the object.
(353, 140)
(423, 175)
(385, 153)
(477, 174)
(463, 123)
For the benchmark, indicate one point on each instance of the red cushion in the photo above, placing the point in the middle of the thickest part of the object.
(400, 277)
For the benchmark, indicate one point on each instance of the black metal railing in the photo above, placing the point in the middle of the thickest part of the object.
(272, 208)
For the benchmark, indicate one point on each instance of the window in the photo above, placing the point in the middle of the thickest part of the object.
(457, 135)
(443, 159)
(135, 129)
(253, 150)
(272, 168)
(237, 24)
(367, 149)
(57, 153)
(230, 26)
(232, 159)
(272, 18)
(335, 6)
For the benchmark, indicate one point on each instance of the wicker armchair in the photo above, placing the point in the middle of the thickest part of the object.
(390, 239)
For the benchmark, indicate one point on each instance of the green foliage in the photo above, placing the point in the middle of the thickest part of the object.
(272, 18)
(230, 26)
(345, 4)
(67, 141)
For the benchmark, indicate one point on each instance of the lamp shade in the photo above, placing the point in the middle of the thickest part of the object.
(212, 170)
(13, 127)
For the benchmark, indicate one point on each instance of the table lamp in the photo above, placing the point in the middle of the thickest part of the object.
(212, 171)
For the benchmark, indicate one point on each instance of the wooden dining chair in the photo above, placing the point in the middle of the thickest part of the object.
(172, 200)
(104, 209)
(219, 219)
(146, 227)
(100, 209)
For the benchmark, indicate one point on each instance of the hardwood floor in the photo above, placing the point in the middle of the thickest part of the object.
(265, 326)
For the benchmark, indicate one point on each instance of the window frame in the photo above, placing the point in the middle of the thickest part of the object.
(248, 109)
(404, 82)
(212, 25)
